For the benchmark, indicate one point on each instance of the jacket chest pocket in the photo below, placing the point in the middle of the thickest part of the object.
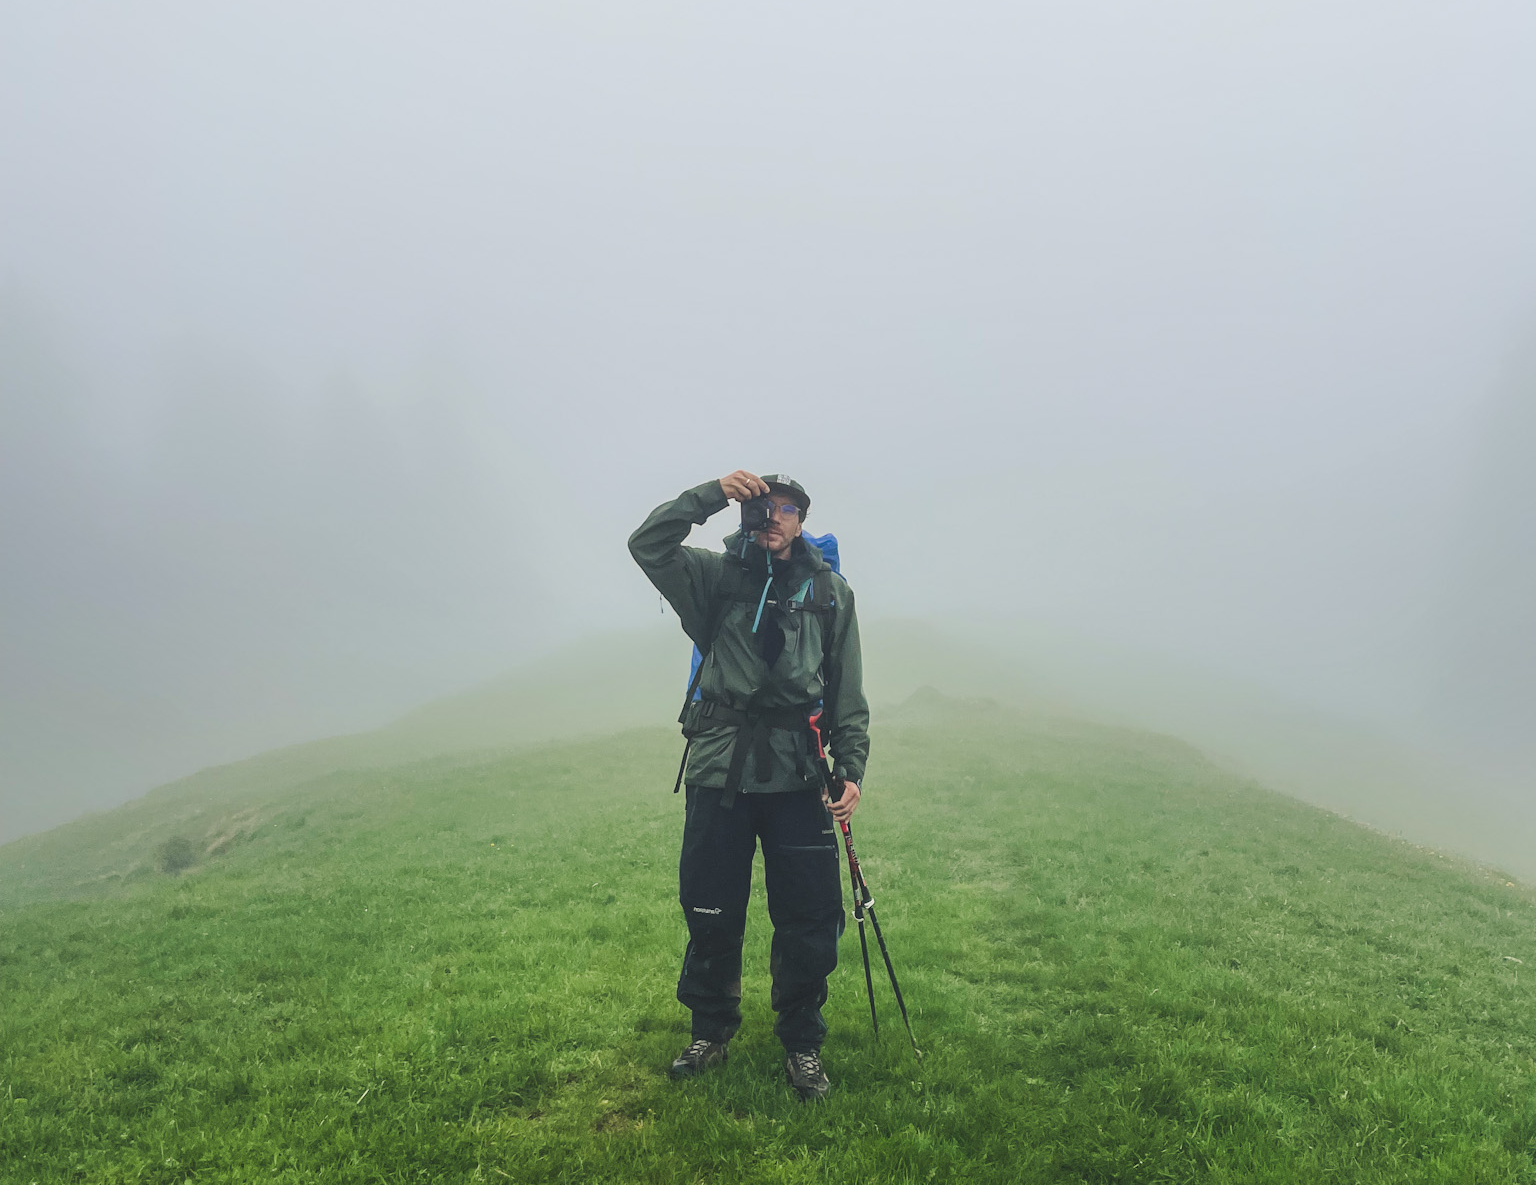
(802, 640)
(735, 669)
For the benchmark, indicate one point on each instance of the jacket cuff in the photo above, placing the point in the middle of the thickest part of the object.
(703, 502)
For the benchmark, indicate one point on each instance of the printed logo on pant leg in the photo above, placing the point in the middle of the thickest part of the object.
(701, 909)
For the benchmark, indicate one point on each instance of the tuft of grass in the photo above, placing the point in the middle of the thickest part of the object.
(1124, 965)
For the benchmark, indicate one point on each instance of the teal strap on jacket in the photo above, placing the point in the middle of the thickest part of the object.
(761, 601)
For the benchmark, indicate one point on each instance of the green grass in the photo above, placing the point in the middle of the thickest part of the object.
(1124, 965)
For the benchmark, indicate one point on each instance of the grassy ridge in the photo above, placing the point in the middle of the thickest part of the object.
(632, 679)
(1124, 964)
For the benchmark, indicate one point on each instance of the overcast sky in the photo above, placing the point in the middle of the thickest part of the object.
(342, 345)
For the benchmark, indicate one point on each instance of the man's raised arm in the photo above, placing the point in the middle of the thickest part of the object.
(687, 576)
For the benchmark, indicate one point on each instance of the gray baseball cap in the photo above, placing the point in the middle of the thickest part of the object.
(782, 483)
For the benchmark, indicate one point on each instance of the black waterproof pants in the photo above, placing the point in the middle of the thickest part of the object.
(805, 904)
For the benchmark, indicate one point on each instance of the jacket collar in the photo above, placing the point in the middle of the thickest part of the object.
(803, 563)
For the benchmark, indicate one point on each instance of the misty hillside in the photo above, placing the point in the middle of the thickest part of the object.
(1123, 962)
(635, 680)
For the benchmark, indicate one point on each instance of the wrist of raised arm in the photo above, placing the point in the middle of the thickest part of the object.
(705, 500)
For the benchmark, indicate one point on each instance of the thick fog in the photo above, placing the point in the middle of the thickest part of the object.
(341, 346)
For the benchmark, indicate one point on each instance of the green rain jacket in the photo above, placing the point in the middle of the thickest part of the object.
(811, 667)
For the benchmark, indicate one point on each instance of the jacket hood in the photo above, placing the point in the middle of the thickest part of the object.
(804, 560)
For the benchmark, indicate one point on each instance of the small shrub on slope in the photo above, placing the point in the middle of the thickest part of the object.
(175, 855)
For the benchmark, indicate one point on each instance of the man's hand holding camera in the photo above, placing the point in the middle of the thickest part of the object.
(742, 486)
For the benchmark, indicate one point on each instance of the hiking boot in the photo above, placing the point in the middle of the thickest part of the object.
(698, 1057)
(807, 1076)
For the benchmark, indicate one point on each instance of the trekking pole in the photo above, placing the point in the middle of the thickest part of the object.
(863, 899)
(858, 913)
(869, 908)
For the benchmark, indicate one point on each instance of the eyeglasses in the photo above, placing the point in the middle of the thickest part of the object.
(786, 508)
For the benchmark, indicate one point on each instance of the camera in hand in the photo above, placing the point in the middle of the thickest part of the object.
(756, 514)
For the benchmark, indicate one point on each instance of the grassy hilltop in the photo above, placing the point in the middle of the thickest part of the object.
(1124, 963)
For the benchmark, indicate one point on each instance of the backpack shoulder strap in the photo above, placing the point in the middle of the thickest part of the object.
(732, 588)
(821, 591)
(825, 607)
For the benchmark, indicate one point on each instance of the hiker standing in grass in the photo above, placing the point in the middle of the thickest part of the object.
(779, 637)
